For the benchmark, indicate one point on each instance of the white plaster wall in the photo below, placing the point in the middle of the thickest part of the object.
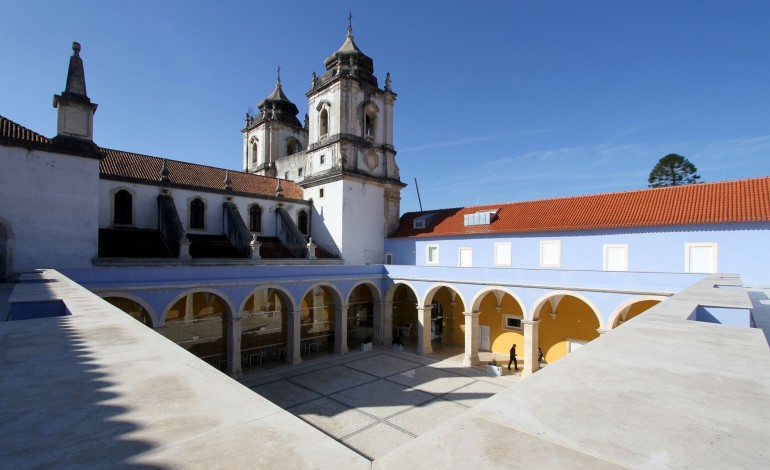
(145, 203)
(331, 95)
(51, 202)
(363, 223)
(327, 213)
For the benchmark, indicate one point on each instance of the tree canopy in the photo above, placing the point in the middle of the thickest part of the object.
(673, 170)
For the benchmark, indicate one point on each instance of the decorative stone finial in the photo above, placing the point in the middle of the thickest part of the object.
(313, 80)
(164, 172)
(387, 82)
(76, 48)
(228, 181)
(307, 121)
(279, 189)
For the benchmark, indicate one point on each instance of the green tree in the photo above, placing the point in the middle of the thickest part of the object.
(673, 170)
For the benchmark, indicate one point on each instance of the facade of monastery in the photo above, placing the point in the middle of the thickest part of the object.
(304, 250)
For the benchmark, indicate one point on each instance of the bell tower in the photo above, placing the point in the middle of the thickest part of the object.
(351, 174)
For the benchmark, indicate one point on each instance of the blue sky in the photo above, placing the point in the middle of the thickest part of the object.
(497, 101)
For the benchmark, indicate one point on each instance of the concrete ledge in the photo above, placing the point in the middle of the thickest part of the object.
(659, 391)
(97, 388)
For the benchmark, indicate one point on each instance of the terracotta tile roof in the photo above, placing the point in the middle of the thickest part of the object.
(144, 168)
(11, 130)
(722, 202)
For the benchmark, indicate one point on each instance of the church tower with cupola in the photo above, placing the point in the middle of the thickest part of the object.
(351, 173)
(273, 133)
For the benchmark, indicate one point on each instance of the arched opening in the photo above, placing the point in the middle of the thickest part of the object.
(123, 208)
(633, 310)
(566, 323)
(405, 321)
(255, 218)
(133, 308)
(264, 327)
(447, 322)
(254, 151)
(361, 310)
(302, 222)
(369, 125)
(197, 214)
(500, 322)
(317, 320)
(292, 146)
(197, 323)
(323, 124)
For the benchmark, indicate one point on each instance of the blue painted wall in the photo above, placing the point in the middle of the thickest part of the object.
(742, 249)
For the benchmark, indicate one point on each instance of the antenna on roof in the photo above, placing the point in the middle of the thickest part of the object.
(418, 194)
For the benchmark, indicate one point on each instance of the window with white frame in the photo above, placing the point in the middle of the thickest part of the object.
(550, 253)
(700, 257)
(511, 322)
(466, 257)
(388, 258)
(431, 254)
(503, 254)
(615, 257)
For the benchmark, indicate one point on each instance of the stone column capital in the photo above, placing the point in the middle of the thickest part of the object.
(472, 314)
(530, 322)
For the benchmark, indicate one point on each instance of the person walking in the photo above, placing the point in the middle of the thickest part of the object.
(513, 358)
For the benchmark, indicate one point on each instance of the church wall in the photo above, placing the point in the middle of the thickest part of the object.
(51, 202)
(363, 227)
(145, 200)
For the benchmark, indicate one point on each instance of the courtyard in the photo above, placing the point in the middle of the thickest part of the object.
(376, 401)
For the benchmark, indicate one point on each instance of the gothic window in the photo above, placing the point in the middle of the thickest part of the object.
(302, 222)
(255, 218)
(324, 124)
(123, 207)
(197, 214)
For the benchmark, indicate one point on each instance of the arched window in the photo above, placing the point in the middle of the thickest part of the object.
(254, 152)
(324, 123)
(255, 218)
(369, 121)
(302, 222)
(197, 214)
(123, 207)
(292, 146)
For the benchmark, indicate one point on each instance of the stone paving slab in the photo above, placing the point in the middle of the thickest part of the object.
(378, 441)
(285, 394)
(383, 365)
(332, 379)
(382, 398)
(426, 416)
(474, 393)
(332, 417)
(431, 380)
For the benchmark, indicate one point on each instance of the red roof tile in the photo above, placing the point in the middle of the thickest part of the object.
(11, 130)
(145, 168)
(727, 201)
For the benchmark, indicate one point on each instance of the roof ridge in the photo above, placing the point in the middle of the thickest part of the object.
(609, 193)
(191, 163)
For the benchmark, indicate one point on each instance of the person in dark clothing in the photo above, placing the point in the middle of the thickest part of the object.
(513, 359)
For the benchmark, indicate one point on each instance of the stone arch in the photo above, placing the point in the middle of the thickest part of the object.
(283, 290)
(392, 290)
(153, 316)
(622, 309)
(428, 299)
(402, 311)
(476, 301)
(320, 325)
(364, 314)
(538, 304)
(502, 312)
(230, 308)
(6, 249)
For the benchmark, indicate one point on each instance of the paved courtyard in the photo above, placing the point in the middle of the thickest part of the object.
(376, 401)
